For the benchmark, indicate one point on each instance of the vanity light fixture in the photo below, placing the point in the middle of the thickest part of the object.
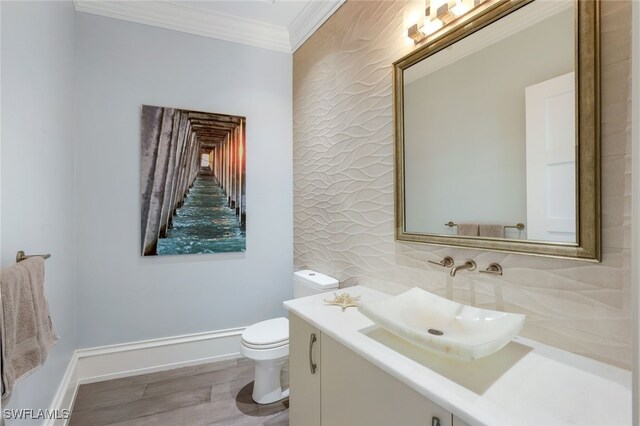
(440, 13)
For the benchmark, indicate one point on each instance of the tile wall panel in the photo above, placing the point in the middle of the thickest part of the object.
(343, 189)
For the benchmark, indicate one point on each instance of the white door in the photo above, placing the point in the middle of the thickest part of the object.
(551, 164)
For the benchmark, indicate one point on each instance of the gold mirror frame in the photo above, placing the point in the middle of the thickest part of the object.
(587, 30)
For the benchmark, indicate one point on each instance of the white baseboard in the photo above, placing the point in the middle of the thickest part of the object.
(149, 356)
(66, 393)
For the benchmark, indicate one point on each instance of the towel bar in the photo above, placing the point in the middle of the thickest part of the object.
(20, 256)
(519, 226)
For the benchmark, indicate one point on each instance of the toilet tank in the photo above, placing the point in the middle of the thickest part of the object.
(307, 283)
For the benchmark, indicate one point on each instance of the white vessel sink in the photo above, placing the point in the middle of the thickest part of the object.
(442, 326)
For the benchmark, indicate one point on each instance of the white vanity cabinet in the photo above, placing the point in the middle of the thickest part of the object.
(345, 389)
(366, 376)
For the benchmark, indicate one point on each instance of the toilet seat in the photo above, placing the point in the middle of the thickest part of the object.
(266, 340)
(267, 334)
(265, 354)
(264, 347)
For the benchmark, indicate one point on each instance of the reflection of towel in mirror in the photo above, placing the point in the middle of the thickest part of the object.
(27, 331)
(492, 231)
(468, 229)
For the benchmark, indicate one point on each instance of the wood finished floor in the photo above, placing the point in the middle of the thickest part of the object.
(209, 394)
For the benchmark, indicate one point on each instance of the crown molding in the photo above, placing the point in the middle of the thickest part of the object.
(193, 20)
(178, 16)
(314, 14)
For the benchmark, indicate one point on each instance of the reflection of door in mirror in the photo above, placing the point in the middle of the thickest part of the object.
(551, 207)
(466, 130)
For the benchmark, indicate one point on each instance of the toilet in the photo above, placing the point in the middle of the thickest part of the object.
(267, 342)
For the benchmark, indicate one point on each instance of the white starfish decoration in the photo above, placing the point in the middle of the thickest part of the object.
(343, 300)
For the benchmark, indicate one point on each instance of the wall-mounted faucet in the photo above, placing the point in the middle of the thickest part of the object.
(469, 265)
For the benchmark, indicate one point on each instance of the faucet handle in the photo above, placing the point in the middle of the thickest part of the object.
(493, 269)
(447, 262)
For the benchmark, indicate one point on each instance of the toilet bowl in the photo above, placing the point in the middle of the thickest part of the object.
(267, 342)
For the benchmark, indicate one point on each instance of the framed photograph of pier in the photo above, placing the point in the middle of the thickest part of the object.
(192, 182)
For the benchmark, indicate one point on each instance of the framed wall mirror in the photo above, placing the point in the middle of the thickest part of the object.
(497, 132)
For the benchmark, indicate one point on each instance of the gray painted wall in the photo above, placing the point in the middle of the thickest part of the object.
(38, 187)
(123, 296)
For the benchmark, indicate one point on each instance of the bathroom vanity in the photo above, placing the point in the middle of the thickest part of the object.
(345, 370)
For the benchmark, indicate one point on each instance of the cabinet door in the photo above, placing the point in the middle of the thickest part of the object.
(355, 392)
(304, 384)
(459, 422)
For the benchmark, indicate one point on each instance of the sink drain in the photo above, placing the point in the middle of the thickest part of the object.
(435, 332)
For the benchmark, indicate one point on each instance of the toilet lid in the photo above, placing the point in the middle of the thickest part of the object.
(267, 332)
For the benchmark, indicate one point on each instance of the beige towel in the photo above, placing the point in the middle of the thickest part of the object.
(492, 231)
(468, 229)
(27, 331)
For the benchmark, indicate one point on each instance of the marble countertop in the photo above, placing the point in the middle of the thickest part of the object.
(525, 383)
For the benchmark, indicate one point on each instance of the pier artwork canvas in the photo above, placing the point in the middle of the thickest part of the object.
(192, 182)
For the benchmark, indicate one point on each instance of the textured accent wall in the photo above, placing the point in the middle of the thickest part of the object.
(343, 189)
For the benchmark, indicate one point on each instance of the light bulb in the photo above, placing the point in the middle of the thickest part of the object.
(431, 26)
(460, 8)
